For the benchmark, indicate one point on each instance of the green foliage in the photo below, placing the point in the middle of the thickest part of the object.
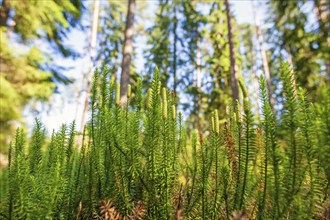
(21, 80)
(190, 47)
(161, 53)
(138, 161)
(272, 157)
(26, 74)
(214, 32)
(40, 19)
(111, 33)
(304, 43)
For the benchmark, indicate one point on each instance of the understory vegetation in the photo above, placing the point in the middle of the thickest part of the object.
(138, 161)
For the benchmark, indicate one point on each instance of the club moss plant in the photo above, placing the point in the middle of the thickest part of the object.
(137, 160)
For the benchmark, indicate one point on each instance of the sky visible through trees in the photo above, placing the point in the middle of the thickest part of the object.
(189, 41)
(65, 108)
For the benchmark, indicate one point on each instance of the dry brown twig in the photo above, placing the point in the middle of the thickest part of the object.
(239, 215)
(178, 215)
(108, 211)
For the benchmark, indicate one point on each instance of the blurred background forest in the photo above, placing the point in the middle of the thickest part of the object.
(49, 49)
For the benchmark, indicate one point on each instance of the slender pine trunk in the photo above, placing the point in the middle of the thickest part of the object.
(321, 8)
(127, 52)
(4, 12)
(255, 83)
(89, 75)
(198, 98)
(174, 50)
(263, 55)
(234, 81)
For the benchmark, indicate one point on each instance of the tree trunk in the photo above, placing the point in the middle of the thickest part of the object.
(263, 55)
(321, 8)
(198, 102)
(234, 81)
(255, 83)
(198, 72)
(4, 11)
(89, 75)
(127, 52)
(174, 50)
(288, 53)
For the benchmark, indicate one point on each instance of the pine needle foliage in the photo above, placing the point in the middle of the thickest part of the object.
(138, 161)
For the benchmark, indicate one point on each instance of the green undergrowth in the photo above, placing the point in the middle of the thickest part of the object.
(137, 160)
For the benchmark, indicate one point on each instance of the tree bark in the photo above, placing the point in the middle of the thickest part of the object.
(89, 75)
(127, 52)
(321, 8)
(263, 56)
(198, 101)
(255, 83)
(234, 81)
(174, 50)
(4, 11)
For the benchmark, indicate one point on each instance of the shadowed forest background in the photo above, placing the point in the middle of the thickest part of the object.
(57, 57)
